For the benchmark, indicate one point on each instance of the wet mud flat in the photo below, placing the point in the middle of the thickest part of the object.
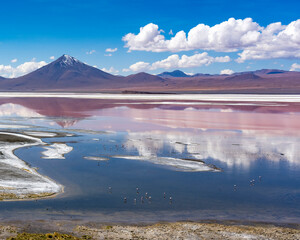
(177, 230)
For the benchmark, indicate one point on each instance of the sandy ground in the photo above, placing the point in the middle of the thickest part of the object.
(179, 230)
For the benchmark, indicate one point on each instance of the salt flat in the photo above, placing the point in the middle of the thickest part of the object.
(182, 97)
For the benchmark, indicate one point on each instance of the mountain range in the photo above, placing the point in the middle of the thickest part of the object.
(67, 74)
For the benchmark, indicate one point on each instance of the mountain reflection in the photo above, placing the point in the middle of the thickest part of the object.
(231, 133)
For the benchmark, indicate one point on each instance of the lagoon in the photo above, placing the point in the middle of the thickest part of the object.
(196, 158)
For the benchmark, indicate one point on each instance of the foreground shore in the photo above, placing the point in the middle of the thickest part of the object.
(178, 230)
(19, 181)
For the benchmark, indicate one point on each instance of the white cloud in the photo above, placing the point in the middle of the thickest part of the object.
(189, 73)
(108, 55)
(6, 70)
(255, 42)
(295, 67)
(14, 60)
(52, 57)
(22, 69)
(111, 50)
(110, 70)
(138, 67)
(226, 36)
(148, 39)
(174, 61)
(91, 52)
(227, 71)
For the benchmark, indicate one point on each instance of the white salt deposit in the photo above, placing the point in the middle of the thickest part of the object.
(179, 164)
(96, 158)
(17, 177)
(12, 126)
(56, 151)
(41, 134)
(193, 97)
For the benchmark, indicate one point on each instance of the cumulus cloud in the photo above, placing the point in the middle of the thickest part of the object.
(295, 67)
(227, 71)
(14, 60)
(255, 42)
(52, 57)
(91, 52)
(110, 70)
(138, 67)
(227, 36)
(175, 61)
(111, 50)
(22, 69)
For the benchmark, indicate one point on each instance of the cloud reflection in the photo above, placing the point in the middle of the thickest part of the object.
(234, 148)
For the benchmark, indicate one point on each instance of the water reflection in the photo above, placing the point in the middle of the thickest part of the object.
(231, 133)
(234, 148)
(125, 144)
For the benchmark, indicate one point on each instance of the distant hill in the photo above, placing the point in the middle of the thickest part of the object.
(243, 77)
(201, 75)
(269, 71)
(67, 74)
(144, 78)
(176, 73)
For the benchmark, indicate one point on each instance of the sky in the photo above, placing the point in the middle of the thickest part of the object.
(125, 37)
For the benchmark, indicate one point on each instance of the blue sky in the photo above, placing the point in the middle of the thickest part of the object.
(35, 30)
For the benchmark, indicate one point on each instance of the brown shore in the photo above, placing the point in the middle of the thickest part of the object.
(177, 230)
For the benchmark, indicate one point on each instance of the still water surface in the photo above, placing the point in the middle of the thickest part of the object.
(215, 160)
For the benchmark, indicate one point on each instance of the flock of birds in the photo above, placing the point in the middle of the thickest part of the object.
(143, 198)
(252, 183)
(147, 197)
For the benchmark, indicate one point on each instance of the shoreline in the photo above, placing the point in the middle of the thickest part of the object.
(13, 188)
(160, 230)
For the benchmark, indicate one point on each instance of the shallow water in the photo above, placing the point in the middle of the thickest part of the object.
(216, 160)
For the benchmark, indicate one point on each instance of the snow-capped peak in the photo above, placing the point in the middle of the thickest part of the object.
(68, 60)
